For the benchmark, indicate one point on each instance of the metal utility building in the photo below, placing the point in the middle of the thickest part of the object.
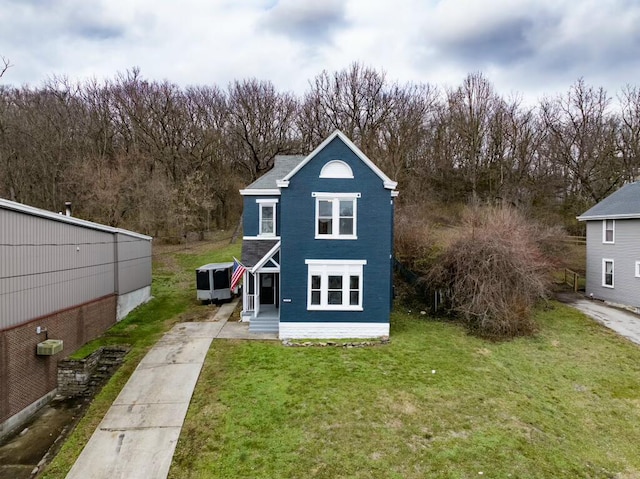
(61, 278)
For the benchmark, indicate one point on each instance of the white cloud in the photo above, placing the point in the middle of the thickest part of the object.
(528, 47)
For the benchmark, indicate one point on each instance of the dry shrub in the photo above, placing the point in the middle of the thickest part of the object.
(420, 233)
(494, 271)
(414, 242)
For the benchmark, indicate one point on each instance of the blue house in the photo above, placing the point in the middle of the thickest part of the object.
(318, 245)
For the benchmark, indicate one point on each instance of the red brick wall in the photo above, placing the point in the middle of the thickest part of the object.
(25, 376)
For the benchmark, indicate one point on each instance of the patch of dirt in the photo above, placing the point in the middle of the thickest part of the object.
(26, 451)
(200, 313)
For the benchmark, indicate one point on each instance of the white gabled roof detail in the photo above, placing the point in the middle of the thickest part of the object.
(388, 183)
(266, 258)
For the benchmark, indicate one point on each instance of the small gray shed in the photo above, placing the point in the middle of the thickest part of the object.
(213, 281)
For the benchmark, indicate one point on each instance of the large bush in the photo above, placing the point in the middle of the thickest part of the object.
(494, 270)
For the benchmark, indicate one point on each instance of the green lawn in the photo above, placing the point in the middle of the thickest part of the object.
(435, 402)
(565, 403)
(174, 300)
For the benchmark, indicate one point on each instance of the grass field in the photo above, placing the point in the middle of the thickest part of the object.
(435, 402)
(174, 300)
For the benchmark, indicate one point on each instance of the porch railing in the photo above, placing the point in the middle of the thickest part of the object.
(251, 302)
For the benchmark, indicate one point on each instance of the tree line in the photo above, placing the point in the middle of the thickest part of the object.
(166, 160)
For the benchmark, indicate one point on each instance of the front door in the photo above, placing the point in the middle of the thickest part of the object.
(267, 288)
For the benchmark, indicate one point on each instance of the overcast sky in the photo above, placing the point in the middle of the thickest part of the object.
(526, 47)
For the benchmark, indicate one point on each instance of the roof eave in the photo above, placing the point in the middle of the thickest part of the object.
(632, 216)
(265, 258)
(388, 183)
(260, 192)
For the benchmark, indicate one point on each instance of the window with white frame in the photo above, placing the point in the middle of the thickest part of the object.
(335, 284)
(336, 215)
(637, 269)
(608, 231)
(607, 273)
(267, 217)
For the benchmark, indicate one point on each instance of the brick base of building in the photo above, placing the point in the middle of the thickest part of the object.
(26, 377)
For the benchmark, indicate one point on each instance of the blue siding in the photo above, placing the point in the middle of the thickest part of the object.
(251, 215)
(374, 243)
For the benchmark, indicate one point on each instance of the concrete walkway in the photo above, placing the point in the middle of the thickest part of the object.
(622, 322)
(137, 437)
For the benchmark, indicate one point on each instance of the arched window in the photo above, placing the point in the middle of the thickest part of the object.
(336, 169)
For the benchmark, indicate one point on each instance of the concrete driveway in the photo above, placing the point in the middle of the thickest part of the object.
(622, 322)
(138, 435)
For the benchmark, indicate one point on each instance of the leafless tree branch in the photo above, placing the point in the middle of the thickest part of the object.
(6, 64)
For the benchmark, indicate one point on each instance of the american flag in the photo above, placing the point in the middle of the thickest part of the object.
(238, 271)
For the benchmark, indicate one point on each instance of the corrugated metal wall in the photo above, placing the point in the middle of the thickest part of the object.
(48, 264)
(134, 263)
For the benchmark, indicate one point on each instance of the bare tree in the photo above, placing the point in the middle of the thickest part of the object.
(355, 100)
(6, 64)
(261, 125)
(582, 142)
(629, 137)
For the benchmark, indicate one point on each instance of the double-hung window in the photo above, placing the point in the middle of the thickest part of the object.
(335, 284)
(267, 219)
(607, 273)
(608, 231)
(336, 215)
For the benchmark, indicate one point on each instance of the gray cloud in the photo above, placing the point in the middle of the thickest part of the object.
(311, 23)
(502, 43)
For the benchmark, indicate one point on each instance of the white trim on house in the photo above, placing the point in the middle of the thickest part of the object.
(637, 270)
(262, 204)
(388, 183)
(335, 199)
(622, 216)
(604, 273)
(266, 258)
(336, 261)
(336, 169)
(613, 231)
(260, 192)
(270, 238)
(318, 287)
(332, 330)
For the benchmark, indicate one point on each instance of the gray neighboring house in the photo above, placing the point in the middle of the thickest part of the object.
(613, 248)
(61, 278)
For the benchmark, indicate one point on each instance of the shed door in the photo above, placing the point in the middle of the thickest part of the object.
(221, 279)
(202, 280)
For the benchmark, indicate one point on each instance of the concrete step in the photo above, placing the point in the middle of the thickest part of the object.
(264, 325)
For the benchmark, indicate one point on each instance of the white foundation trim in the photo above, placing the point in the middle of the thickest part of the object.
(129, 301)
(332, 330)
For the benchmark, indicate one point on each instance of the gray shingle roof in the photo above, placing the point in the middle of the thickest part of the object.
(254, 250)
(624, 203)
(282, 165)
